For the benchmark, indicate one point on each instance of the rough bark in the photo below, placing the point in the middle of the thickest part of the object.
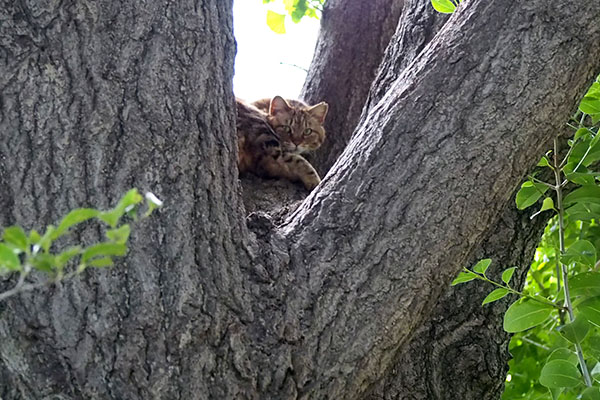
(352, 40)
(98, 97)
(462, 149)
(317, 308)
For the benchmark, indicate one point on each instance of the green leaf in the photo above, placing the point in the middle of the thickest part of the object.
(507, 274)
(101, 262)
(126, 204)
(103, 249)
(153, 203)
(276, 22)
(16, 236)
(591, 393)
(582, 132)
(482, 266)
(495, 295)
(585, 284)
(555, 392)
(73, 218)
(575, 331)
(595, 372)
(581, 251)
(529, 193)
(559, 373)
(585, 194)
(120, 234)
(34, 237)
(590, 309)
(581, 177)
(548, 204)
(464, 277)
(443, 6)
(544, 162)
(46, 241)
(562, 353)
(8, 258)
(584, 211)
(64, 257)
(590, 105)
(43, 262)
(525, 314)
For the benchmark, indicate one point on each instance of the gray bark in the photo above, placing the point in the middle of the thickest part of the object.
(105, 96)
(352, 40)
(98, 97)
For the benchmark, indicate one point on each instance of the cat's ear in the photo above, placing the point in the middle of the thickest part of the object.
(319, 111)
(278, 104)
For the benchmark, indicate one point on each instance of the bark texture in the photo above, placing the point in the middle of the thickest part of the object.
(103, 96)
(488, 60)
(98, 97)
(352, 40)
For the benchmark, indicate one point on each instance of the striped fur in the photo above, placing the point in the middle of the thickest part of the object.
(273, 133)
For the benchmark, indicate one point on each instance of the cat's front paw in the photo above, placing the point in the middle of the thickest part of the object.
(311, 182)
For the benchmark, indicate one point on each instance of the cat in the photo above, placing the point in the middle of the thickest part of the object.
(273, 132)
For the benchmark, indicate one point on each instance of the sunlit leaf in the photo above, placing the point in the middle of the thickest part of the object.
(8, 258)
(16, 236)
(525, 314)
(590, 105)
(464, 277)
(443, 6)
(43, 262)
(543, 162)
(529, 194)
(64, 257)
(120, 234)
(73, 218)
(100, 262)
(276, 22)
(482, 266)
(495, 295)
(103, 249)
(507, 274)
(153, 203)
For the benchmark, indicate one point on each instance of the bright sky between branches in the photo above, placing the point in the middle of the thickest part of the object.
(264, 64)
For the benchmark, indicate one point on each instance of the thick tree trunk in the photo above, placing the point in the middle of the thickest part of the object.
(102, 96)
(390, 139)
(98, 97)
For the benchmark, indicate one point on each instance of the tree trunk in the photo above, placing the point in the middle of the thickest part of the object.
(105, 96)
(352, 39)
(98, 97)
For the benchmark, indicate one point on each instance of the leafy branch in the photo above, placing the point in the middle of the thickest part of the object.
(22, 253)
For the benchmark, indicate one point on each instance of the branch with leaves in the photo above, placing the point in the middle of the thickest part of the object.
(22, 253)
(570, 312)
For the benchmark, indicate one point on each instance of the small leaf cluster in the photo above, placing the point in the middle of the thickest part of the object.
(445, 6)
(478, 272)
(22, 252)
(296, 9)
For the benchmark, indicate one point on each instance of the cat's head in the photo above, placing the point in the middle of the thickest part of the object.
(298, 125)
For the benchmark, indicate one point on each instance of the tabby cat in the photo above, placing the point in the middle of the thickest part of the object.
(272, 134)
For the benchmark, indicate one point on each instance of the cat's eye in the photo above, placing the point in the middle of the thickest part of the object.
(286, 128)
(307, 131)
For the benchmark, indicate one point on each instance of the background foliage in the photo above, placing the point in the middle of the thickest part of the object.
(296, 9)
